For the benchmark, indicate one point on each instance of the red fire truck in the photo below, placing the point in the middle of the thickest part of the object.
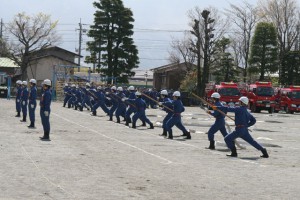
(288, 99)
(261, 97)
(229, 92)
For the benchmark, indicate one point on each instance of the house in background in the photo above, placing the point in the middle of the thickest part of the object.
(170, 76)
(8, 68)
(43, 62)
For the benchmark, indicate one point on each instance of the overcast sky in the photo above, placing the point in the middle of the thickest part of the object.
(164, 15)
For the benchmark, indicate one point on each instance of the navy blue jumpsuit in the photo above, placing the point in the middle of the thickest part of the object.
(45, 110)
(243, 120)
(219, 124)
(32, 103)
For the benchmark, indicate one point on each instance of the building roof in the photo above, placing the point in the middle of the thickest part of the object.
(169, 66)
(8, 63)
(56, 48)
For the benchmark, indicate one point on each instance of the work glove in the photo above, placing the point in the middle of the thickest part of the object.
(46, 113)
(214, 107)
(123, 99)
(18, 100)
(106, 93)
(108, 98)
(23, 103)
(32, 106)
(160, 103)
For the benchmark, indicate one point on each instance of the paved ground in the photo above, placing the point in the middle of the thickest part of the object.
(92, 158)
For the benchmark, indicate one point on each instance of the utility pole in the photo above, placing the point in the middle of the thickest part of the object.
(80, 40)
(1, 29)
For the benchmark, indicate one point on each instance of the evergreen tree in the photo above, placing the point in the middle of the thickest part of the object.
(264, 51)
(291, 62)
(112, 44)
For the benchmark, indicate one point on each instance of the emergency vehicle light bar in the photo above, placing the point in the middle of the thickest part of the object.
(263, 83)
(229, 83)
(294, 86)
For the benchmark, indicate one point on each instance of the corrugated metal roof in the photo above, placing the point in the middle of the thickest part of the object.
(6, 62)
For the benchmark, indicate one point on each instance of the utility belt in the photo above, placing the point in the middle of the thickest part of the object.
(240, 126)
(177, 114)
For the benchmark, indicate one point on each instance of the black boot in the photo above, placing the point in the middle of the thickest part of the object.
(24, 119)
(127, 122)
(110, 118)
(144, 123)
(118, 121)
(133, 125)
(188, 136)
(81, 108)
(151, 126)
(94, 113)
(211, 145)
(265, 153)
(170, 135)
(46, 136)
(31, 125)
(233, 153)
(18, 115)
(164, 133)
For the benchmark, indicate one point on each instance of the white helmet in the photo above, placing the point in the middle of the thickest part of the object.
(19, 82)
(24, 82)
(164, 92)
(120, 89)
(138, 93)
(66, 84)
(245, 100)
(113, 88)
(176, 94)
(99, 88)
(47, 82)
(130, 88)
(73, 85)
(88, 84)
(32, 81)
(215, 95)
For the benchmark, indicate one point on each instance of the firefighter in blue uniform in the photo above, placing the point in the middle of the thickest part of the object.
(32, 102)
(141, 106)
(166, 102)
(100, 101)
(86, 98)
(219, 124)
(113, 99)
(121, 109)
(18, 98)
(131, 108)
(243, 120)
(176, 117)
(45, 110)
(72, 98)
(24, 100)
(67, 94)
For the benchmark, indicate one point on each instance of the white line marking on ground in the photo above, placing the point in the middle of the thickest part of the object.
(119, 141)
(43, 175)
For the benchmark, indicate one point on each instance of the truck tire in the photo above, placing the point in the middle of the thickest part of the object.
(288, 111)
(271, 110)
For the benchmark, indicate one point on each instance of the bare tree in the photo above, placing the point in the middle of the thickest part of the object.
(30, 34)
(244, 18)
(181, 52)
(284, 14)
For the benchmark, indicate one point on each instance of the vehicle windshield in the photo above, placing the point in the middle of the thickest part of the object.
(294, 95)
(229, 92)
(265, 91)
